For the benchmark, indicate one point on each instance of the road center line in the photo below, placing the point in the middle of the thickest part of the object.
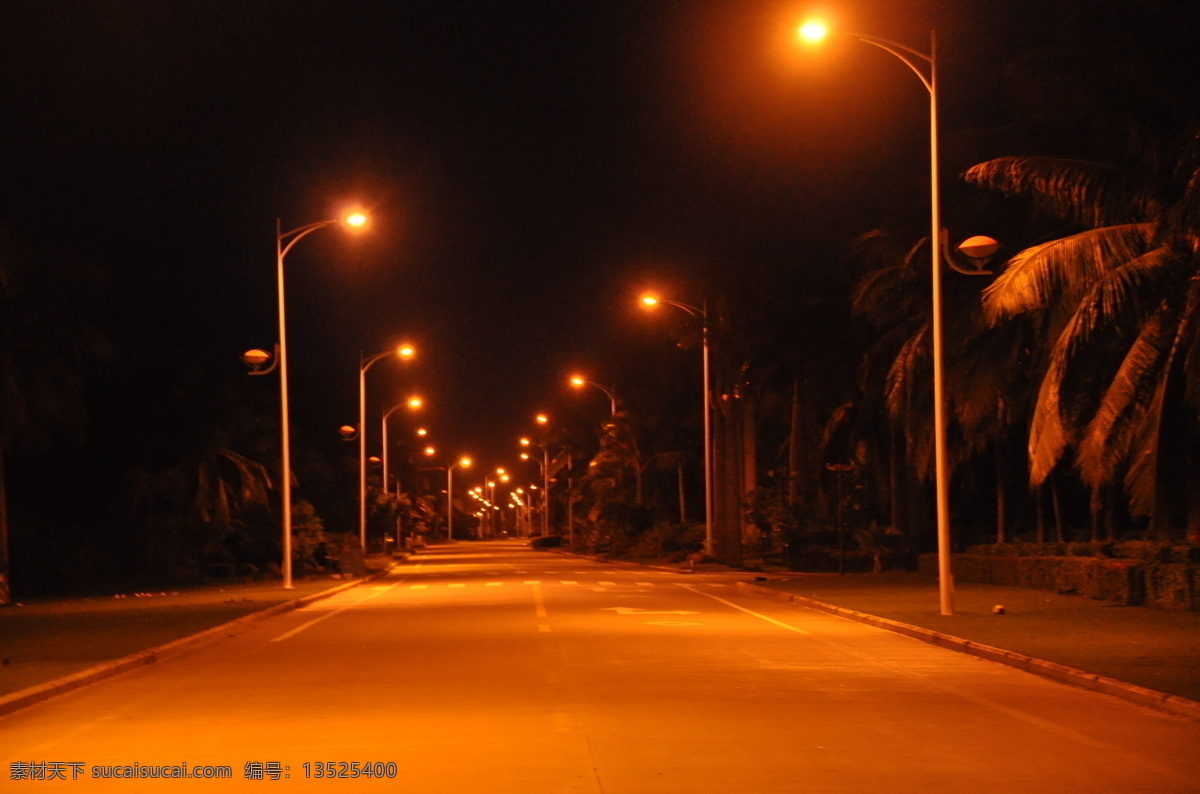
(758, 615)
(327, 615)
(539, 603)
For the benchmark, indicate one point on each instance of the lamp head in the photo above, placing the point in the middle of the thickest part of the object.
(406, 351)
(577, 381)
(255, 359)
(355, 220)
(541, 419)
(464, 462)
(348, 432)
(415, 402)
(650, 301)
(430, 451)
(525, 442)
(814, 31)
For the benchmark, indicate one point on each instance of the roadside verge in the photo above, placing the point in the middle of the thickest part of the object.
(38, 692)
(1144, 696)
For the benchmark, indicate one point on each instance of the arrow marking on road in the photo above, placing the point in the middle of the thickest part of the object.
(634, 611)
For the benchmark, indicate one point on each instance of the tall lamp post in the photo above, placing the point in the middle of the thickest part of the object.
(924, 66)
(364, 364)
(465, 462)
(284, 242)
(413, 404)
(650, 301)
(545, 466)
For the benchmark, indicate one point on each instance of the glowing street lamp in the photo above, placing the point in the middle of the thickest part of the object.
(365, 363)
(650, 302)
(284, 242)
(924, 66)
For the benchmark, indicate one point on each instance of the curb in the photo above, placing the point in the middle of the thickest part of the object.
(39, 692)
(1140, 695)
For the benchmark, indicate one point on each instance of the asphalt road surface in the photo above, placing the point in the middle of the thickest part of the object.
(493, 668)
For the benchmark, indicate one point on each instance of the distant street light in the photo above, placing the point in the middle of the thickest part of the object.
(924, 66)
(413, 404)
(284, 241)
(578, 381)
(651, 301)
(544, 464)
(364, 364)
(465, 462)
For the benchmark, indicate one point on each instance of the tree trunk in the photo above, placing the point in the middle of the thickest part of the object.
(796, 452)
(5, 579)
(749, 457)
(727, 540)
(898, 483)
(682, 493)
(1001, 504)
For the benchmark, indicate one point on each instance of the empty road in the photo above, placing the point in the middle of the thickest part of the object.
(494, 668)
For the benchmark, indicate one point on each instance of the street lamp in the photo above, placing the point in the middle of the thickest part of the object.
(545, 466)
(465, 462)
(650, 302)
(578, 381)
(364, 364)
(284, 242)
(413, 404)
(925, 68)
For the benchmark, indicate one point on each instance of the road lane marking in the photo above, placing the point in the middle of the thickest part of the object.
(494, 584)
(644, 584)
(568, 582)
(636, 611)
(328, 615)
(758, 615)
(533, 581)
(458, 584)
(539, 603)
(607, 584)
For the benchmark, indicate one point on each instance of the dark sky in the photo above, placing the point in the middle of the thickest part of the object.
(529, 167)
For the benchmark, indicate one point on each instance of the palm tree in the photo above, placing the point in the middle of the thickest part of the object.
(1120, 300)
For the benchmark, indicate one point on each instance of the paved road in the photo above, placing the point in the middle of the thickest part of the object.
(491, 668)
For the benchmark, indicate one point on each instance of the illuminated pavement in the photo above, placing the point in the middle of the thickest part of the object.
(492, 668)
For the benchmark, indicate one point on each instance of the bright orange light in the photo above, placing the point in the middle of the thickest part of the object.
(464, 462)
(430, 451)
(503, 478)
(406, 351)
(422, 432)
(649, 300)
(541, 419)
(814, 30)
(525, 442)
(500, 471)
(356, 219)
(577, 381)
(415, 402)
(524, 456)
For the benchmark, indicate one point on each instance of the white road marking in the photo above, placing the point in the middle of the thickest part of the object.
(773, 621)
(327, 615)
(494, 584)
(539, 603)
(458, 584)
(636, 611)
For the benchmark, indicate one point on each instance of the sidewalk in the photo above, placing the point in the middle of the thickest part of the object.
(1148, 648)
(51, 646)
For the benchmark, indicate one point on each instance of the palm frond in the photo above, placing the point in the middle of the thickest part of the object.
(1108, 439)
(1062, 269)
(1089, 193)
(1049, 436)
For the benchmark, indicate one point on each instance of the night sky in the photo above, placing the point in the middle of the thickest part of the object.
(529, 168)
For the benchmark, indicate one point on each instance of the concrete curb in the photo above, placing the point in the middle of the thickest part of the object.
(1163, 701)
(39, 692)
